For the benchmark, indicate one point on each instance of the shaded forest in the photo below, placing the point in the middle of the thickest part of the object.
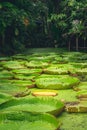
(40, 23)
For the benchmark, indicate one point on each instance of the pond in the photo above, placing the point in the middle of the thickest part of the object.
(43, 89)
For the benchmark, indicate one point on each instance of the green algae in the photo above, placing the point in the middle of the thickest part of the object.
(66, 95)
(73, 121)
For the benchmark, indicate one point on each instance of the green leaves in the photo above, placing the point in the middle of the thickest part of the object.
(58, 82)
(26, 120)
(34, 105)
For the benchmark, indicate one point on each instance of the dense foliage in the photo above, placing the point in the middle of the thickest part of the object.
(41, 23)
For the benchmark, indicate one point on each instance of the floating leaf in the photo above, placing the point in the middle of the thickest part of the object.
(65, 82)
(27, 121)
(35, 105)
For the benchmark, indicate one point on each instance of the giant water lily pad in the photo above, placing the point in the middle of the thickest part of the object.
(66, 96)
(82, 94)
(19, 56)
(27, 121)
(37, 105)
(36, 64)
(1, 68)
(3, 81)
(11, 88)
(41, 58)
(4, 58)
(77, 107)
(27, 71)
(82, 71)
(4, 97)
(6, 75)
(25, 77)
(60, 69)
(65, 82)
(23, 83)
(81, 86)
(13, 65)
(79, 65)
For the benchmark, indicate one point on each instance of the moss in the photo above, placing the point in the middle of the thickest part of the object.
(67, 95)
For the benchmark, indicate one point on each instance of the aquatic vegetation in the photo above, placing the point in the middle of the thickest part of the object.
(33, 85)
(73, 121)
(34, 105)
(60, 69)
(13, 65)
(77, 107)
(26, 120)
(81, 86)
(6, 75)
(4, 97)
(65, 82)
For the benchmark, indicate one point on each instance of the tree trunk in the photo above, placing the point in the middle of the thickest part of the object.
(3, 42)
(77, 44)
(69, 46)
(84, 43)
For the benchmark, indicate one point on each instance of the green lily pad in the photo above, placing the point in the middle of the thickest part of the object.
(77, 107)
(11, 88)
(4, 58)
(79, 65)
(60, 69)
(81, 86)
(19, 56)
(4, 97)
(35, 105)
(7, 81)
(82, 71)
(23, 83)
(82, 94)
(13, 65)
(66, 96)
(27, 121)
(25, 77)
(36, 64)
(65, 82)
(27, 71)
(1, 68)
(6, 75)
(41, 58)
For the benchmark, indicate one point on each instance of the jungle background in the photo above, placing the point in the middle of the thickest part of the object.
(42, 23)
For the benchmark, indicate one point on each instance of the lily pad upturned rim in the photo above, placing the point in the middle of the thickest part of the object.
(57, 106)
(21, 118)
